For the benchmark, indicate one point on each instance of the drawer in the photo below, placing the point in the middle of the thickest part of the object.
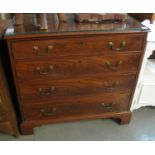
(80, 66)
(97, 45)
(78, 106)
(45, 89)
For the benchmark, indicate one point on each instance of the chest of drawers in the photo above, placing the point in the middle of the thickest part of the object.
(67, 76)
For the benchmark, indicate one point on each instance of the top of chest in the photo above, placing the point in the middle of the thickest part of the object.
(30, 28)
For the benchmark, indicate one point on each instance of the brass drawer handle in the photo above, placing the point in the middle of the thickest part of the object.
(46, 71)
(49, 48)
(122, 45)
(114, 67)
(107, 105)
(46, 92)
(38, 53)
(48, 112)
(109, 87)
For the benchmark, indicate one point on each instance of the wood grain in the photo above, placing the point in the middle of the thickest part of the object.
(83, 67)
(81, 105)
(79, 66)
(8, 121)
(63, 46)
(75, 87)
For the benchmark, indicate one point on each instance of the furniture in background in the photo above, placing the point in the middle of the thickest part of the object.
(79, 17)
(93, 17)
(8, 123)
(145, 89)
(5, 16)
(75, 70)
(41, 17)
(142, 16)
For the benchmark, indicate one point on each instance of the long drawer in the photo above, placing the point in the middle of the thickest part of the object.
(45, 89)
(48, 47)
(80, 66)
(77, 106)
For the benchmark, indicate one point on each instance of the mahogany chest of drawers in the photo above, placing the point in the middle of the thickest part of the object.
(75, 71)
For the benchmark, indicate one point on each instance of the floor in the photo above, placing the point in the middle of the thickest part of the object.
(142, 127)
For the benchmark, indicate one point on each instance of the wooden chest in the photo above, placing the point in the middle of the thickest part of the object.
(75, 72)
(8, 122)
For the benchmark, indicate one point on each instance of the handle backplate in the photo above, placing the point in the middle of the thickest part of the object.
(44, 72)
(114, 66)
(46, 92)
(110, 87)
(48, 112)
(108, 105)
(39, 53)
(122, 46)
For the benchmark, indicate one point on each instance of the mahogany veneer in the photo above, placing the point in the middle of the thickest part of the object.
(73, 73)
(8, 122)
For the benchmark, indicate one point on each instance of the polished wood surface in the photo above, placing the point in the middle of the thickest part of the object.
(72, 46)
(75, 72)
(49, 89)
(31, 26)
(8, 122)
(78, 106)
(81, 66)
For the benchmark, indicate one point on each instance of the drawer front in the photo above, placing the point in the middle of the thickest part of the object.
(79, 106)
(77, 46)
(71, 67)
(45, 89)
